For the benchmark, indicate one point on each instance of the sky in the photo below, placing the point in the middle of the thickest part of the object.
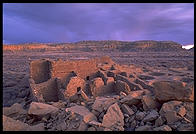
(72, 22)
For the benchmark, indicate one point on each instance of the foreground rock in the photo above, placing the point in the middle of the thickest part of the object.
(163, 128)
(83, 111)
(41, 109)
(114, 118)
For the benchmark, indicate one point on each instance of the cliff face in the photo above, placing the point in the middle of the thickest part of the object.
(90, 46)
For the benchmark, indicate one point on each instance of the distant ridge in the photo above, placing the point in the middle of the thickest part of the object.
(105, 45)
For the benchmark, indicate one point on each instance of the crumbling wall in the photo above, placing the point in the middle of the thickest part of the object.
(44, 75)
(40, 70)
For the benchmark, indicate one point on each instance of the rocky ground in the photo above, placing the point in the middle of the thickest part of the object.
(134, 92)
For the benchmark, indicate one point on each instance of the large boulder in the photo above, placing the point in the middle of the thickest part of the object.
(173, 90)
(74, 85)
(114, 118)
(83, 111)
(170, 112)
(41, 109)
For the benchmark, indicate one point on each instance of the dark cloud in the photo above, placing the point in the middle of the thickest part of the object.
(66, 22)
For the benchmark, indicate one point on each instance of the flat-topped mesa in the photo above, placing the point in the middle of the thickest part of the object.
(48, 77)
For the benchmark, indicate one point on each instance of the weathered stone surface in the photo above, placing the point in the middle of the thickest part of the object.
(149, 102)
(181, 110)
(171, 117)
(97, 87)
(133, 86)
(40, 70)
(14, 110)
(121, 86)
(168, 110)
(140, 115)
(103, 103)
(159, 121)
(186, 127)
(41, 109)
(133, 124)
(38, 127)
(133, 98)
(45, 91)
(143, 84)
(144, 128)
(173, 90)
(153, 115)
(75, 84)
(163, 128)
(83, 126)
(83, 111)
(59, 104)
(126, 109)
(10, 124)
(113, 118)
(189, 106)
(123, 74)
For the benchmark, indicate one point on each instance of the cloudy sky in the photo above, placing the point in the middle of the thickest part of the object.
(71, 22)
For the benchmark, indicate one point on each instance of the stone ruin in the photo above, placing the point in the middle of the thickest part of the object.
(100, 95)
(50, 80)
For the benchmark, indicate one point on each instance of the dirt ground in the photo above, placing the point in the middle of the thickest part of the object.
(157, 65)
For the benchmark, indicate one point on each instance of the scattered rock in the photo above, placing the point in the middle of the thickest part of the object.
(38, 127)
(133, 86)
(159, 121)
(126, 109)
(91, 129)
(123, 74)
(103, 103)
(133, 124)
(41, 109)
(83, 126)
(133, 98)
(163, 128)
(152, 116)
(84, 112)
(186, 127)
(15, 110)
(121, 86)
(113, 118)
(140, 115)
(144, 128)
